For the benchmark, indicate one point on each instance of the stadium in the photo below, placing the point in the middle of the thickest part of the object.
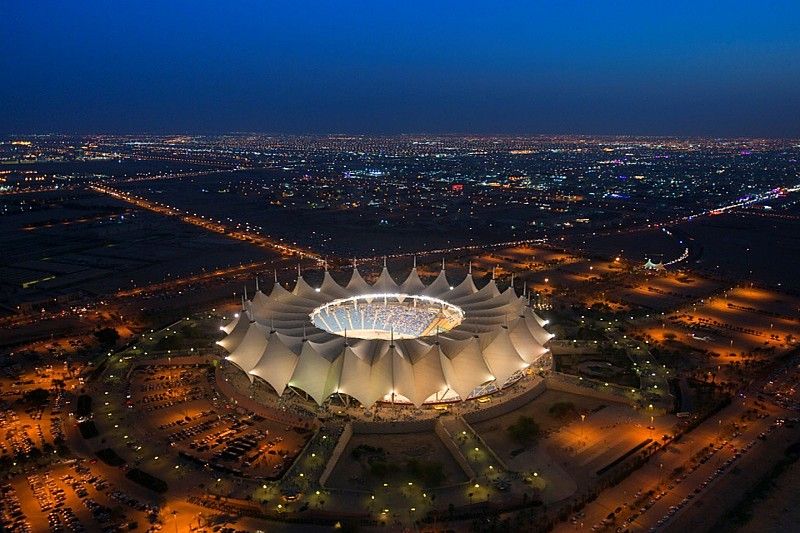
(405, 343)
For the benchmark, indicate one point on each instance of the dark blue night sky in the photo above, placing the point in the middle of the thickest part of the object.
(685, 68)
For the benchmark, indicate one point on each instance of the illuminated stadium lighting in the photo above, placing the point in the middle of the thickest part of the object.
(387, 316)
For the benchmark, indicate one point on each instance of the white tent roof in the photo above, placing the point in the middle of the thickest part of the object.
(304, 290)
(539, 333)
(277, 364)
(439, 286)
(355, 377)
(259, 303)
(403, 376)
(381, 378)
(412, 284)
(466, 369)
(465, 288)
(526, 345)
(357, 285)
(249, 351)
(232, 340)
(502, 357)
(331, 289)
(428, 376)
(312, 374)
(227, 328)
(279, 293)
(284, 348)
(385, 284)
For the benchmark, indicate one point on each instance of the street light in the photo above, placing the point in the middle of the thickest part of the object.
(583, 426)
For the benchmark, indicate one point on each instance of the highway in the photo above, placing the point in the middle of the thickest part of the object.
(631, 495)
(215, 226)
(704, 479)
(725, 495)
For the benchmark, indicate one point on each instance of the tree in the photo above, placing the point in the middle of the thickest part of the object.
(525, 430)
(379, 469)
(107, 336)
(431, 473)
(168, 342)
(563, 410)
(36, 397)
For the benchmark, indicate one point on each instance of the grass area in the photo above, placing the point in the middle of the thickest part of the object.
(88, 429)
(378, 465)
(146, 480)
(419, 458)
(110, 457)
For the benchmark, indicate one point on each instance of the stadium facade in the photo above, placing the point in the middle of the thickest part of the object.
(406, 342)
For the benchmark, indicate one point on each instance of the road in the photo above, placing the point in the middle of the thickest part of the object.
(657, 471)
(692, 486)
(215, 226)
(706, 511)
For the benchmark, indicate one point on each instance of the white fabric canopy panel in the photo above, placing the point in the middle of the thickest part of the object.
(227, 328)
(277, 364)
(232, 340)
(276, 341)
(251, 349)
